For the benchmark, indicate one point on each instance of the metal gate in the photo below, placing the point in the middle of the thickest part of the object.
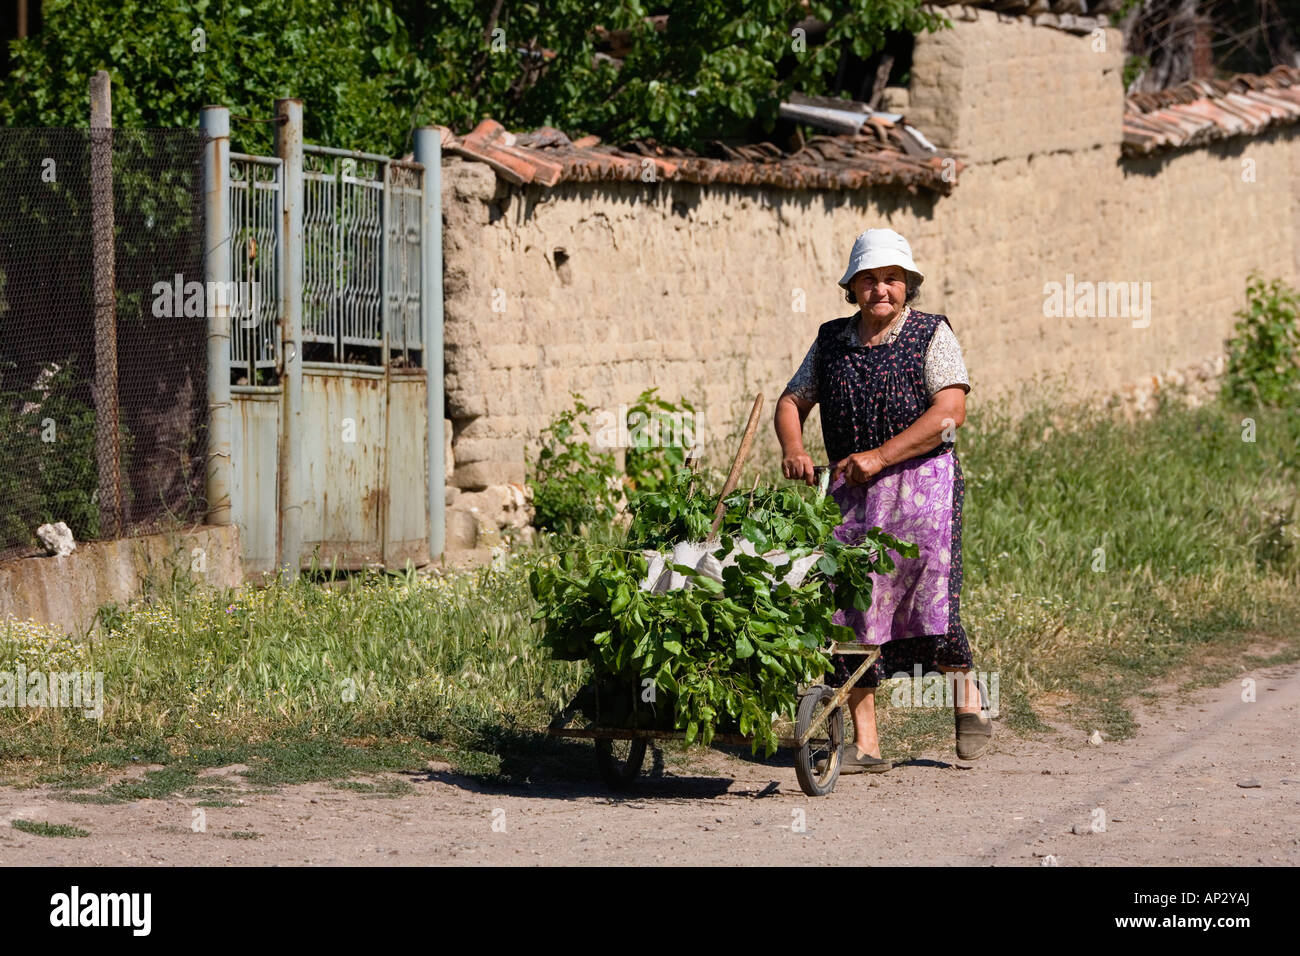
(334, 429)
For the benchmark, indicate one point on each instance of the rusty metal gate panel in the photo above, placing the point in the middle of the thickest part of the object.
(254, 493)
(406, 525)
(343, 472)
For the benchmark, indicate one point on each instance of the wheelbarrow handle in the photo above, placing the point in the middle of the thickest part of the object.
(823, 475)
(733, 479)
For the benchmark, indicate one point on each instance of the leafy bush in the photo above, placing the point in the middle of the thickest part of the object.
(572, 486)
(719, 654)
(20, 501)
(1264, 356)
(69, 475)
(47, 434)
(660, 439)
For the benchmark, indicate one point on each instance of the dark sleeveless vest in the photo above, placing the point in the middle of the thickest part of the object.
(869, 395)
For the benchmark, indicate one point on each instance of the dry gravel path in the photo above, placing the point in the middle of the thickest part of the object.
(1170, 795)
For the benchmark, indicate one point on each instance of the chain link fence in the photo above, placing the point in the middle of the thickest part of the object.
(103, 332)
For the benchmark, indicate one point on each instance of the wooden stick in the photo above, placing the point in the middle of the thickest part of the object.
(108, 451)
(734, 478)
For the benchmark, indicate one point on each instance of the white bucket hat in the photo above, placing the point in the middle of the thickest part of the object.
(880, 247)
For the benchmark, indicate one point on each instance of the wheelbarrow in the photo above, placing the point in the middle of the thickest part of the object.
(622, 724)
(620, 750)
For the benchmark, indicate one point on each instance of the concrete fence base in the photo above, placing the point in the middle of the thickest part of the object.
(67, 591)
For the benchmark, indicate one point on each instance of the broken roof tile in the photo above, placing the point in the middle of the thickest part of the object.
(1202, 111)
(1074, 16)
(885, 152)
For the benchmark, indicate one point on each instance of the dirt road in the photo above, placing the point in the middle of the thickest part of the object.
(1211, 782)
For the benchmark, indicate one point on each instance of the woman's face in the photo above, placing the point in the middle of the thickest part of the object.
(880, 292)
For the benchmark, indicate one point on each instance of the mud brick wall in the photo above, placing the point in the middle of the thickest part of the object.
(715, 292)
(997, 86)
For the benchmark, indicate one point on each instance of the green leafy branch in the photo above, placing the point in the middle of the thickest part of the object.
(725, 654)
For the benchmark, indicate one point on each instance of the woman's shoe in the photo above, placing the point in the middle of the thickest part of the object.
(974, 733)
(850, 762)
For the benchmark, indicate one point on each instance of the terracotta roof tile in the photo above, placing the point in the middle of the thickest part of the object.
(1074, 16)
(1206, 110)
(883, 153)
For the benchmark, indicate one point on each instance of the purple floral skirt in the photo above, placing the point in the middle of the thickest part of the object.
(914, 613)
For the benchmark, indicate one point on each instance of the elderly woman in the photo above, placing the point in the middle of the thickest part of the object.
(892, 388)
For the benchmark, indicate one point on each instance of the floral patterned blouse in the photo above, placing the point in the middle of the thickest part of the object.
(943, 361)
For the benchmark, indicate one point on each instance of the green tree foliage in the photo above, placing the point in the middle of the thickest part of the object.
(718, 66)
(571, 485)
(346, 60)
(370, 72)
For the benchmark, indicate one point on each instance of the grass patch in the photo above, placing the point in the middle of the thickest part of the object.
(1100, 558)
(156, 784)
(218, 803)
(271, 764)
(474, 760)
(71, 780)
(49, 829)
(1017, 713)
(189, 673)
(909, 732)
(1221, 668)
(305, 761)
(102, 799)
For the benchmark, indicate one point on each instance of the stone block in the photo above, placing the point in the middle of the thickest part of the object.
(463, 181)
(66, 592)
(447, 450)
(463, 403)
(498, 506)
(462, 530)
(488, 449)
(481, 474)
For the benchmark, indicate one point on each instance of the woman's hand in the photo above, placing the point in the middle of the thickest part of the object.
(799, 465)
(860, 468)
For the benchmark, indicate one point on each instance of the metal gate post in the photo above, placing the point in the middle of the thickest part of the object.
(288, 146)
(428, 152)
(215, 123)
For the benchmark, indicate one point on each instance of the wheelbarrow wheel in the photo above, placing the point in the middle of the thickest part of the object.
(825, 743)
(620, 761)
